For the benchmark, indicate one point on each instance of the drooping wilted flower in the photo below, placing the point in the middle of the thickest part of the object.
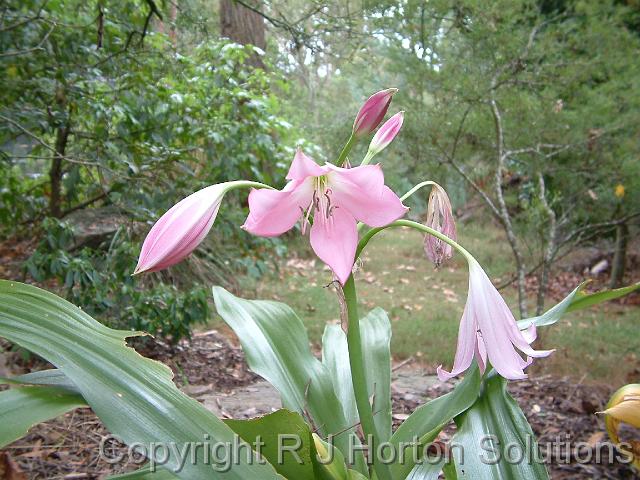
(488, 330)
(337, 197)
(440, 218)
(372, 112)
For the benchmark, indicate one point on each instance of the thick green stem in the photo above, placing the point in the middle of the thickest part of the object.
(415, 225)
(346, 149)
(360, 390)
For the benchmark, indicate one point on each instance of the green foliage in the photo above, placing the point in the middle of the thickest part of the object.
(137, 400)
(135, 122)
(426, 422)
(21, 408)
(101, 280)
(134, 397)
(273, 429)
(276, 345)
(496, 438)
(376, 338)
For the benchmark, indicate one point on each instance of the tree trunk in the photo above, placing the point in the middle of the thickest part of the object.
(173, 15)
(243, 25)
(550, 247)
(620, 255)
(503, 211)
(55, 172)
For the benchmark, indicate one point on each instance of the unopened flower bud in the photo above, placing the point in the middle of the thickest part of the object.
(372, 112)
(385, 135)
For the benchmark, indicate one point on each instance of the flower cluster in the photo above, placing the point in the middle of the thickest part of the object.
(328, 201)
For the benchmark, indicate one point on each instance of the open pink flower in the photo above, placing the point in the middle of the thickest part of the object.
(489, 330)
(337, 198)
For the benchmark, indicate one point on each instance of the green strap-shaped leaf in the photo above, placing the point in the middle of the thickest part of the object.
(449, 470)
(375, 329)
(284, 439)
(335, 356)
(585, 300)
(52, 377)
(429, 469)
(23, 407)
(355, 475)
(494, 439)
(576, 300)
(554, 314)
(133, 396)
(333, 466)
(276, 346)
(426, 422)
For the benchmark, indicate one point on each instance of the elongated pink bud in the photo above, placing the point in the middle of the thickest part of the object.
(179, 231)
(372, 112)
(440, 218)
(385, 135)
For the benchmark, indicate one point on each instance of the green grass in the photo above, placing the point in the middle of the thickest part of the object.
(425, 305)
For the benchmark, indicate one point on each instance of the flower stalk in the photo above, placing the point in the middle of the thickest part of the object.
(346, 149)
(365, 412)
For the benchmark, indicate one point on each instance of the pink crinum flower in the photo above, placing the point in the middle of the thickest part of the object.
(489, 330)
(336, 197)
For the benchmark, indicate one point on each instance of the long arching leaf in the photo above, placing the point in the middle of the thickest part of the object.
(23, 407)
(426, 422)
(376, 339)
(276, 346)
(495, 439)
(134, 396)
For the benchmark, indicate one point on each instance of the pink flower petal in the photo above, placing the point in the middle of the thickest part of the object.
(530, 334)
(303, 167)
(361, 190)
(499, 329)
(180, 230)
(335, 240)
(466, 346)
(273, 212)
(481, 352)
(500, 350)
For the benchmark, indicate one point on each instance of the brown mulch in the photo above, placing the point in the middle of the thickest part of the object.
(209, 358)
